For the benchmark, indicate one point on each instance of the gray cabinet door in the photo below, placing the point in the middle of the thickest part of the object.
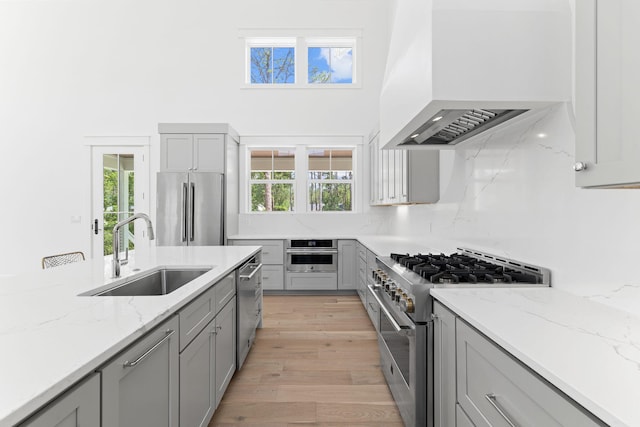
(208, 152)
(607, 69)
(494, 389)
(225, 353)
(197, 379)
(444, 369)
(176, 152)
(140, 385)
(78, 407)
(347, 266)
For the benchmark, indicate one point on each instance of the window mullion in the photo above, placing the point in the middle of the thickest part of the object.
(302, 178)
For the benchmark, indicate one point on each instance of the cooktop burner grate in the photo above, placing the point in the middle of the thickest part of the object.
(467, 268)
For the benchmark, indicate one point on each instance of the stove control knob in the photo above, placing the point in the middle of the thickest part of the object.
(407, 305)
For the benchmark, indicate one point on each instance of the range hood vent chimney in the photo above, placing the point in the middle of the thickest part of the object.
(457, 68)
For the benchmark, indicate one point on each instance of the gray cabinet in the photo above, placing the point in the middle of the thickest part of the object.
(140, 385)
(311, 281)
(78, 407)
(444, 366)
(272, 262)
(347, 265)
(201, 152)
(225, 348)
(607, 69)
(198, 379)
(494, 389)
(208, 362)
(403, 177)
(361, 262)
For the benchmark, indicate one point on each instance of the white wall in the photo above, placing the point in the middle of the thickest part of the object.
(513, 194)
(72, 68)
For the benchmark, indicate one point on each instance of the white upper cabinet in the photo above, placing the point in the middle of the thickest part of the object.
(607, 93)
(401, 176)
(449, 58)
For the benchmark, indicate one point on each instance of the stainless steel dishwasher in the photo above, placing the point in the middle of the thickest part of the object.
(249, 300)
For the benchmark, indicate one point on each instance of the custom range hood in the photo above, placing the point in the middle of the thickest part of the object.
(458, 68)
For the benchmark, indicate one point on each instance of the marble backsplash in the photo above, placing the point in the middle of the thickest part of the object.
(513, 193)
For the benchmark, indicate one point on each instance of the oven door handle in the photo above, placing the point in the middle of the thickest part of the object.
(400, 329)
(311, 251)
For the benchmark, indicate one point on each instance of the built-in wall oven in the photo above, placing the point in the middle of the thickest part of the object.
(311, 264)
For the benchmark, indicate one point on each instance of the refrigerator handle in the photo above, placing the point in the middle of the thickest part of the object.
(193, 211)
(185, 212)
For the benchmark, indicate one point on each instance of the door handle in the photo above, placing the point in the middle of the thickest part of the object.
(185, 212)
(95, 226)
(128, 364)
(193, 212)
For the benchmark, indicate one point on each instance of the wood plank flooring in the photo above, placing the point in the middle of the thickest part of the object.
(315, 362)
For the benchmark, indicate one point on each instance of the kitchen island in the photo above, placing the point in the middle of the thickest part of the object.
(51, 337)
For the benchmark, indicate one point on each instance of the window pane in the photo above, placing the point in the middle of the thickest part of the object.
(283, 65)
(271, 197)
(330, 164)
(273, 164)
(329, 197)
(330, 64)
(272, 65)
(261, 68)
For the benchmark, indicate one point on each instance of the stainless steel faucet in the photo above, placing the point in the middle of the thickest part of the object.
(115, 264)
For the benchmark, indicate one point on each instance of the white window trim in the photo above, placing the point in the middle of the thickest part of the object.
(303, 38)
(301, 147)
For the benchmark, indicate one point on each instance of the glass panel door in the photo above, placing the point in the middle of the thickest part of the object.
(120, 185)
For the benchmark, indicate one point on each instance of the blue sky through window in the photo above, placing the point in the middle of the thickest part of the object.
(330, 65)
(272, 65)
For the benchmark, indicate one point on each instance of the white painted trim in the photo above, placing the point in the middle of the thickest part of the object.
(286, 141)
(301, 145)
(108, 140)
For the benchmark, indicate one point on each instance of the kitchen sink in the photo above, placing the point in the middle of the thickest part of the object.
(157, 282)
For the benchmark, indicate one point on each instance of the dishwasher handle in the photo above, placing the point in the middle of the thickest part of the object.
(254, 267)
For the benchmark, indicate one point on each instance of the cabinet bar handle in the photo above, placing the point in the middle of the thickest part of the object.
(128, 364)
(493, 401)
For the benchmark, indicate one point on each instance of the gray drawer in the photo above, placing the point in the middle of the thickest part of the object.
(272, 250)
(492, 387)
(272, 277)
(195, 316)
(362, 252)
(225, 291)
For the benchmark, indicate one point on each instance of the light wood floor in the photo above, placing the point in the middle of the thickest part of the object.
(315, 362)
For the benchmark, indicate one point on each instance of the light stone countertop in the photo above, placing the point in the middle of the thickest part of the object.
(588, 350)
(50, 337)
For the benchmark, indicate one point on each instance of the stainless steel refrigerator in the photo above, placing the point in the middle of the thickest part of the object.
(190, 209)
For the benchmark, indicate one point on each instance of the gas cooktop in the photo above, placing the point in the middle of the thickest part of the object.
(471, 267)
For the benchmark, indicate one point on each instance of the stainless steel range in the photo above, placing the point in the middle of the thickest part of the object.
(402, 284)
